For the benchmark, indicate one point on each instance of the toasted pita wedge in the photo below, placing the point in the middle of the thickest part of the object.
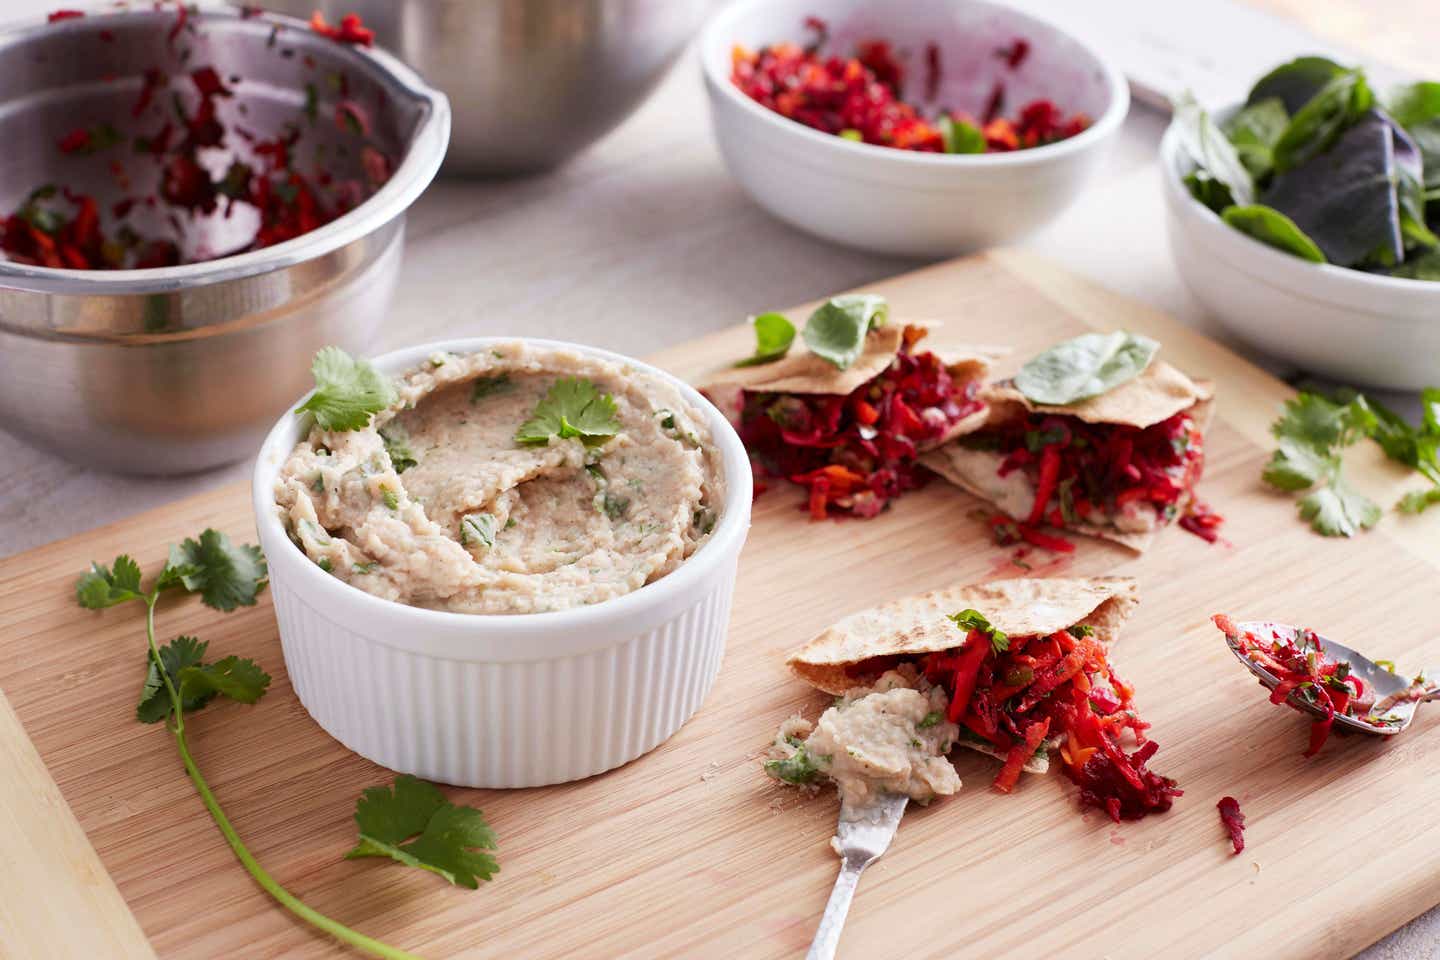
(844, 655)
(1153, 397)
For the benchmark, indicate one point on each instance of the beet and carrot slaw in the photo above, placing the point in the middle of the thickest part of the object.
(861, 98)
(1015, 694)
(856, 452)
(1307, 674)
(1086, 473)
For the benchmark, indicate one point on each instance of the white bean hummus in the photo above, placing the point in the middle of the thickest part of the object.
(888, 738)
(435, 504)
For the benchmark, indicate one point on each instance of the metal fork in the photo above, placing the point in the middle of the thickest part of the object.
(863, 834)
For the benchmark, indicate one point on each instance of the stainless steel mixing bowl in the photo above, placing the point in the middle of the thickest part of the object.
(532, 82)
(177, 369)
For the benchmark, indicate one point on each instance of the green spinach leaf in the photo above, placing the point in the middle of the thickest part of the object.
(1315, 127)
(1254, 131)
(1087, 366)
(836, 331)
(1270, 226)
(1212, 151)
(1295, 83)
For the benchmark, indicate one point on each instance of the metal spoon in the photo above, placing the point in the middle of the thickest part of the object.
(863, 834)
(1395, 697)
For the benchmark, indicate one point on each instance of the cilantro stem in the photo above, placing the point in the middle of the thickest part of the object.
(267, 883)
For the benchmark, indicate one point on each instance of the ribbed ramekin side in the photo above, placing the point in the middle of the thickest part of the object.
(505, 724)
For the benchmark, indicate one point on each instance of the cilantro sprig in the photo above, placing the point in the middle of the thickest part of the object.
(573, 409)
(179, 681)
(971, 619)
(347, 391)
(1312, 434)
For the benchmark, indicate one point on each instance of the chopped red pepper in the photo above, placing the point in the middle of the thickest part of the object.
(1233, 821)
(55, 16)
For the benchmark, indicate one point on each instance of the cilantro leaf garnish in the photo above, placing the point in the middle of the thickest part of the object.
(414, 824)
(225, 575)
(836, 331)
(1338, 510)
(1311, 435)
(347, 391)
(970, 619)
(574, 408)
(102, 587)
(931, 719)
(774, 333)
(799, 768)
(178, 681)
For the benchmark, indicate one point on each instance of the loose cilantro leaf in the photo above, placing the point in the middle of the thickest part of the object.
(397, 447)
(103, 587)
(1085, 366)
(1338, 510)
(177, 655)
(477, 528)
(774, 333)
(1296, 466)
(800, 768)
(970, 619)
(238, 678)
(573, 408)
(414, 824)
(225, 575)
(347, 391)
(836, 331)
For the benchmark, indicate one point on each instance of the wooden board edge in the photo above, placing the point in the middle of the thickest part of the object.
(56, 898)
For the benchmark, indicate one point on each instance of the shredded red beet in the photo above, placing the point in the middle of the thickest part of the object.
(350, 30)
(856, 453)
(1099, 474)
(859, 97)
(1306, 673)
(1043, 687)
(1233, 821)
(57, 15)
(62, 229)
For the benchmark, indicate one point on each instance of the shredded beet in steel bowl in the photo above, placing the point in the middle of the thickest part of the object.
(189, 123)
(856, 452)
(861, 97)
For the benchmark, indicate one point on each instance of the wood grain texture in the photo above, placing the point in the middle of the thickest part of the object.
(691, 851)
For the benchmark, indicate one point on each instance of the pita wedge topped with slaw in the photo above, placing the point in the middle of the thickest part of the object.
(1118, 464)
(846, 412)
(1011, 668)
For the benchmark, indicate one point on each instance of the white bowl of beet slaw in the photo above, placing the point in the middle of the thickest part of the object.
(969, 58)
(505, 700)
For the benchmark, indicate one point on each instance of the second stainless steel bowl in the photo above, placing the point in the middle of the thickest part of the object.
(532, 82)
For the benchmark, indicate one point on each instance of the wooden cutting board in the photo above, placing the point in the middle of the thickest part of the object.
(691, 851)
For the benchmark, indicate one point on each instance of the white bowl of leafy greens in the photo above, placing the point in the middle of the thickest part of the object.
(1305, 219)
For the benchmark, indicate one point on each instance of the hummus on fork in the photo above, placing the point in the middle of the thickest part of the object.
(436, 504)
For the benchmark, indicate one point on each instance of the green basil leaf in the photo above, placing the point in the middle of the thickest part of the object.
(774, 333)
(1211, 150)
(960, 137)
(836, 331)
(1270, 226)
(1317, 125)
(1087, 366)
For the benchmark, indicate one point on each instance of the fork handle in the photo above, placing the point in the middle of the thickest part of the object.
(827, 937)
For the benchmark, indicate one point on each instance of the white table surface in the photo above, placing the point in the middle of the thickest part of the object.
(641, 243)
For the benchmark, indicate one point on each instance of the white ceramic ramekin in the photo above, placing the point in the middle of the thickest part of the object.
(901, 201)
(1362, 328)
(504, 701)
